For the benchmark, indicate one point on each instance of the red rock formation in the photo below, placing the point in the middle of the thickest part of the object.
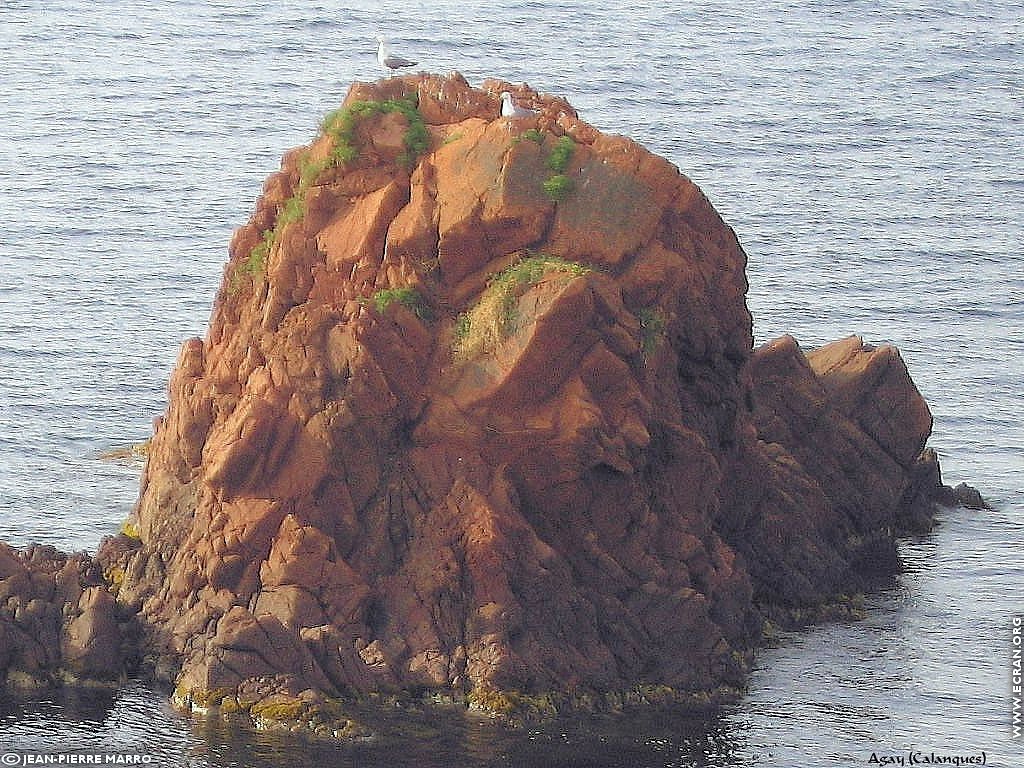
(58, 621)
(839, 431)
(457, 427)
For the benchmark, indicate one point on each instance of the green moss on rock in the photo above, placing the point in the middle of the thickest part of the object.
(512, 704)
(493, 317)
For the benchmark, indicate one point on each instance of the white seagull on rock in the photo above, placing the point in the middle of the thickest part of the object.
(389, 61)
(510, 109)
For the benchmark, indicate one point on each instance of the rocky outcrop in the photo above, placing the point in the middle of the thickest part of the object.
(478, 415)
(841, 433)
(58, 622)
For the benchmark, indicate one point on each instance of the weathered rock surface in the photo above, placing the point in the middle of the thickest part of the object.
(478, 414)
(58, 621)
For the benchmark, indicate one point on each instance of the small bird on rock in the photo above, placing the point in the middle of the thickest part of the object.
(510, 109)
(389, 62)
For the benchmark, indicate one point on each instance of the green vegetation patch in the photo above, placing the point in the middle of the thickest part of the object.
(341, 124)
(310, 170)
(255, 264)
(407, 297)
(560, 156)
(558, 185)
(493, 318)
(531, 134)
(293, 209)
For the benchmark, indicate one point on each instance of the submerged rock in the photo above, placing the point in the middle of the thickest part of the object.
(478, 416)
(964, 495)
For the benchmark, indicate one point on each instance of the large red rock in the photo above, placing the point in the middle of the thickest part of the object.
(454, 432)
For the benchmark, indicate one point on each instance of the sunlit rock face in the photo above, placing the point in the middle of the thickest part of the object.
(478, 413)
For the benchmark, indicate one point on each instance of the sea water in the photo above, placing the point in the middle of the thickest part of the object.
(868, 155)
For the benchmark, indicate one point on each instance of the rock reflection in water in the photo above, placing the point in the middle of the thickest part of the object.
(136, 720)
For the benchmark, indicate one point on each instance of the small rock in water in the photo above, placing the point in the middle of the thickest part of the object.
(969, 497)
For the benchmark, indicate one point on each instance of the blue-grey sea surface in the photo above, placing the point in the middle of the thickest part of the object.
(869, 155)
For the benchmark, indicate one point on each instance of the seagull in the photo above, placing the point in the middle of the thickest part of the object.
(389, 62)
(510, 109)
